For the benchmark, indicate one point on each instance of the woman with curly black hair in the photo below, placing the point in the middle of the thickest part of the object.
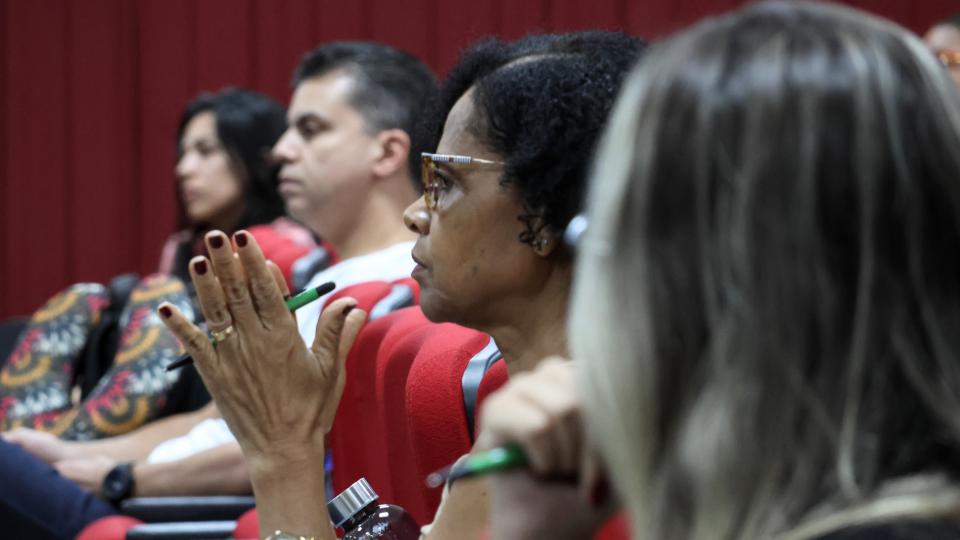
(517, 123)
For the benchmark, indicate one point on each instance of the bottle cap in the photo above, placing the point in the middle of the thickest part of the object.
(353, 499)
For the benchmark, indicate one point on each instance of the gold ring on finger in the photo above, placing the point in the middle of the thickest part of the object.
(220, 335)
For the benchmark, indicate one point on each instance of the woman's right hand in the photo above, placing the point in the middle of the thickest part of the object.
(277, 395)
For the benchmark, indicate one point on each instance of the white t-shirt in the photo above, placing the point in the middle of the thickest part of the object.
(388, 264)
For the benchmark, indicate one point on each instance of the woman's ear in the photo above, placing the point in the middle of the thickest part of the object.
(545, 240)
(393, 152)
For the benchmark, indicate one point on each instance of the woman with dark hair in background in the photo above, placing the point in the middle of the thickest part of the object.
(767, 300)
(519, 123)
(225, 181)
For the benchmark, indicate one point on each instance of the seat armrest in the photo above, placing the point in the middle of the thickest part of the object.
(170, 509)
(190, 530)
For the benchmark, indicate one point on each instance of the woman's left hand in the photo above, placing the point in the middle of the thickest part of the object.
(278, 397)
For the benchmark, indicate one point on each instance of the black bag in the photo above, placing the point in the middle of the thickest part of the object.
(96, 357)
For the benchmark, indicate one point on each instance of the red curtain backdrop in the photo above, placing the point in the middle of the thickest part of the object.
(91, 92)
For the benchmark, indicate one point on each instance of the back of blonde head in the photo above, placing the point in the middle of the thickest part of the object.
(768, 297)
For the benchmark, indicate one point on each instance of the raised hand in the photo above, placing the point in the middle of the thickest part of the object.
(277, 395)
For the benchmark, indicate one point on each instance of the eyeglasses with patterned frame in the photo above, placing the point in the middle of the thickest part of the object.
(433, 182)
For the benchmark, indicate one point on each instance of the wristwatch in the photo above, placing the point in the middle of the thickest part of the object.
(118, 483)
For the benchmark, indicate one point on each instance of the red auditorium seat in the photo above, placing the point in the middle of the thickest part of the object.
(355, 429)
(428, 421)
(379, 298)
(248, 527)
(109, 528)
(358, 440)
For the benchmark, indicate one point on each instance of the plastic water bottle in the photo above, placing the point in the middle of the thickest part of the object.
(356, 511)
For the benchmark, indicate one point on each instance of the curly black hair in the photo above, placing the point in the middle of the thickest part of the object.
(541, 103)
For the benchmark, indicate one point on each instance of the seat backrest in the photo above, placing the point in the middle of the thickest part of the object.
(357, 442)
(402, 415)
(430, 425)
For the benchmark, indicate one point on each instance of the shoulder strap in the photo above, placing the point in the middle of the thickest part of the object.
(400, 296)
(472, 376)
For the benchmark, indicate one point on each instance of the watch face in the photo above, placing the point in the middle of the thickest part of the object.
(118, 484)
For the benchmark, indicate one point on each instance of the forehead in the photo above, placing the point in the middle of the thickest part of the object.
(458, 137)
(201, 126)
(943, 36)
(327, 94)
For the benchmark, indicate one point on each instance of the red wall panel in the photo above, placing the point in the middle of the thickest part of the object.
(167, 77)
(37, 171)
(520, 18)
(408, 25)
(284, 31)
(100, 150)
(459, 24)
(91, 92)
(224, 43)
(336, 19)
(7, 229)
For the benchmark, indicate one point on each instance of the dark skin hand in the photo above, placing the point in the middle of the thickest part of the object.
(278, 397)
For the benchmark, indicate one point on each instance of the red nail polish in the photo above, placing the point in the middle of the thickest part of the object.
(216, 241)
(166, 312)
(241, 238)
(200, 267)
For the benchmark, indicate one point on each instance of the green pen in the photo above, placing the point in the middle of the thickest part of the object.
(293, 303)
(498, 459)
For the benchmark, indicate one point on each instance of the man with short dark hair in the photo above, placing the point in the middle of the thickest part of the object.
(349, 160)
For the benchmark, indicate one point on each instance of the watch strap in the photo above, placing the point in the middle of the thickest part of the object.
(118, 484)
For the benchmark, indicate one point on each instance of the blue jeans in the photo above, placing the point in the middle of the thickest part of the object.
(37, 503)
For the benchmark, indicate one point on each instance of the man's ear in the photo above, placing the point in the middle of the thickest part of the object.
(393, 152)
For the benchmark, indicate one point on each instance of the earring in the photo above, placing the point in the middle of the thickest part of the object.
(539, 243)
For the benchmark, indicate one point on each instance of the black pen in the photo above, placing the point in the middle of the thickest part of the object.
(293, 303)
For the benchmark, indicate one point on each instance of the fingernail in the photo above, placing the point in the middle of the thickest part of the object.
(348, 309)
(200, 267)
(165, 311)
(216, 241)
(241, 238)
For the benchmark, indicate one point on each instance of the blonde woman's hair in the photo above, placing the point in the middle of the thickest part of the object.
(768, 295)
